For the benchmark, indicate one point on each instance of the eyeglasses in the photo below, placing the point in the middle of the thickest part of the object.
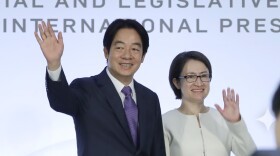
(192, 77)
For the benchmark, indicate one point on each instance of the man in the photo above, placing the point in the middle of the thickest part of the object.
(108, 121)
(276, 111)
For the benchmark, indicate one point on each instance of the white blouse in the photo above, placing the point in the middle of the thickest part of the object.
(216, 137)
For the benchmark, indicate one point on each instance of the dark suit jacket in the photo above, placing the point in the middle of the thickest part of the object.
(267, 153)
(99, 117)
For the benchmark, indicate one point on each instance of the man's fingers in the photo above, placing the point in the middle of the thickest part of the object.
(42, 34)
(38, 38)
(60, 38)
(50, 29)
(46, 29)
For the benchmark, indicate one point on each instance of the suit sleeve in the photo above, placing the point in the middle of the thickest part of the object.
(158, 144)
(61, 96)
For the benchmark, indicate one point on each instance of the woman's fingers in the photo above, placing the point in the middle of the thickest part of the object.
(232, 95)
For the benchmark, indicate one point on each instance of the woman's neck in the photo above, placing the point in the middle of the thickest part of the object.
(192, 108)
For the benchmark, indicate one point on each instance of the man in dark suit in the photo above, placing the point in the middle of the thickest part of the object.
(276, 111)
(98, 104)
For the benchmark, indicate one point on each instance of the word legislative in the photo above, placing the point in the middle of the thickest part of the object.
(146, 3)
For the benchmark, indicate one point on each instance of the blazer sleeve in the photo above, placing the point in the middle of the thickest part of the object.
(167, 141)
(61, 96)
(242, 142)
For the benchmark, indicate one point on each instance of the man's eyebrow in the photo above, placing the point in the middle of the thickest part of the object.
(138, 44)
(121, 42)
(117, 42)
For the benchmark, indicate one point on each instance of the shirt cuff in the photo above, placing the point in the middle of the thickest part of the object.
(54, 74)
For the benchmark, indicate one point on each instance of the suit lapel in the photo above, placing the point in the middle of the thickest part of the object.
(142, 104)
(106, 86)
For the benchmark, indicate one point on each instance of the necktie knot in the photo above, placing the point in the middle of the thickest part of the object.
(126, 90)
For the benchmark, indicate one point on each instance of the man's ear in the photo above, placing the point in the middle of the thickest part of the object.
(106, 53)
(176, 83)
(143, 57)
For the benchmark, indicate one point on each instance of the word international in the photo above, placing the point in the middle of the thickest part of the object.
(184, 25)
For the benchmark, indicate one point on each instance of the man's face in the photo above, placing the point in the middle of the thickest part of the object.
(125, 56)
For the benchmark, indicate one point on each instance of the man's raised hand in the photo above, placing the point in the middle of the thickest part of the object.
(51, 46)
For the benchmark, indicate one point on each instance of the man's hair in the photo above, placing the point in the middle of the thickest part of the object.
(118, 24)
(276, 102)
(178, 64)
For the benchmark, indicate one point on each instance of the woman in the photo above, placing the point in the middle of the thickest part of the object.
(194, 129)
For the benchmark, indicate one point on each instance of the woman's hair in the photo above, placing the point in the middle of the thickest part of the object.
(178, 64)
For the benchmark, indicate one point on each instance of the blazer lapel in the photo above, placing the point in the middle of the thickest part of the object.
(106, 86)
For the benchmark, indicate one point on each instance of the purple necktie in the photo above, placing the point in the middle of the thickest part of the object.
(131, 112)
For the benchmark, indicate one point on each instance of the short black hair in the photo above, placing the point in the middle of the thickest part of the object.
(118, 24)
(178, 64)
(276, 102)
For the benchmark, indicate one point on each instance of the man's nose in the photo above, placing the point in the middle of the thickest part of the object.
(127, 52)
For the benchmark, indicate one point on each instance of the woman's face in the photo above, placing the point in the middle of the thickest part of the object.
(198, 90)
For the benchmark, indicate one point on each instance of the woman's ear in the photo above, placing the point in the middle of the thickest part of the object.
(176, 83)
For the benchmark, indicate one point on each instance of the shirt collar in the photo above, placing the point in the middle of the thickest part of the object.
(118, 85)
